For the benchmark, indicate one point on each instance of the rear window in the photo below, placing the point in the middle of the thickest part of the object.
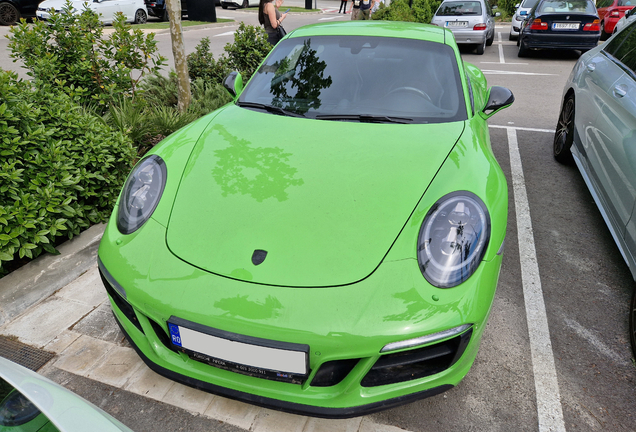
(552, 6)
(330, 77)
(459, 8)
(625, 3)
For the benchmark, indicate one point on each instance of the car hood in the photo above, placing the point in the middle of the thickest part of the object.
(318, 202)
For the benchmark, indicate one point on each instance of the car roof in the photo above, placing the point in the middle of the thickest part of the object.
(395, 29)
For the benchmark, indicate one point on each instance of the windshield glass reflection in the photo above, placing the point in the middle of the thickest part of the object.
(359, 78)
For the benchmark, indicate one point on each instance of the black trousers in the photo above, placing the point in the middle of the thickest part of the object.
(343, 6)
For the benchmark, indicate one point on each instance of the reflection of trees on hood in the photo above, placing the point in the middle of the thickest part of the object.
(261, 172)
(307, 77)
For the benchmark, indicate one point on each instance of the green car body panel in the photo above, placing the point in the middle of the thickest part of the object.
(340, 221)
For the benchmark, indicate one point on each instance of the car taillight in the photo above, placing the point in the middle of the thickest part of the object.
(481, 26)
(615, 14)
(538, 25)
(593, 26)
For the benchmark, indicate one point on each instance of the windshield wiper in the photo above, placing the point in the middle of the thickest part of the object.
(269, 108)
(365, 118)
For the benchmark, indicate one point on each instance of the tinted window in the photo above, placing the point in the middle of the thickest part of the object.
(529, 3)
(623, 47)
(625, 3)
(355, 75)
(454, 8)
(558, 6)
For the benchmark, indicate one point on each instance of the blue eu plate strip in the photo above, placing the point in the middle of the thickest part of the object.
(175, 336)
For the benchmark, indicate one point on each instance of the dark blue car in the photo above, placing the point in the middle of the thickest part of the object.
(557, 24)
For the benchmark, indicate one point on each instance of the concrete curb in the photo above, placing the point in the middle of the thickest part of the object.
(48, 273)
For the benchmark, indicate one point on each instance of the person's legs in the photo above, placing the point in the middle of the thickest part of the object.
(354, 13)
(342, 3)
(364, 14)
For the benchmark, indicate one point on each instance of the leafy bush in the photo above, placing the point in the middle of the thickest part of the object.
(201, 64)
(69, 51)
(61, 168)
(249, 49)
(399, 10)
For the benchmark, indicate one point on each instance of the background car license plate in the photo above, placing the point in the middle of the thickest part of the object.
(456, 23)
(257, 357)
(566, 26)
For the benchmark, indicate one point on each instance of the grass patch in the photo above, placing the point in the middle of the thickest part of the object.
(184, 23)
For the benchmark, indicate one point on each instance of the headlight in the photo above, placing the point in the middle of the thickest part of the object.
(141, 194)
(453, 239)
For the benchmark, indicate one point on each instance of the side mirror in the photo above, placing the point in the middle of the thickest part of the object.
(494, 7)
(497, 14)
(498, 99)
(517, 5)
(234, 83)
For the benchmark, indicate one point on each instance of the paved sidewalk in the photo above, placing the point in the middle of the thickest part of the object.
(70, 316)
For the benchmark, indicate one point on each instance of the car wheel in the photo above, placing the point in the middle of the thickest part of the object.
(9, 14)
(511, 36)
(490, 40)
(140, 16)
(564, 135)
(481, 48)
(632, 323)
(523, 50)
(246, 4)
(164, 16)
(223, 5)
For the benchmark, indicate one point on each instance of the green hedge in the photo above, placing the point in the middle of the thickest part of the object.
(61, 168)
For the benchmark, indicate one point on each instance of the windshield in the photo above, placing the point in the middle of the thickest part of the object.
(529, 4)
(455, 8)
(359, 78)
(556, 6)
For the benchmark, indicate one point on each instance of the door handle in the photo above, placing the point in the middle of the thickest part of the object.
(591, 67)
(620, 90)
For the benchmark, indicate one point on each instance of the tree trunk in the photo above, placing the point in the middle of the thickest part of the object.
(178, 51)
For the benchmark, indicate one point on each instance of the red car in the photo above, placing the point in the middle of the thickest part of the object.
(610, 11)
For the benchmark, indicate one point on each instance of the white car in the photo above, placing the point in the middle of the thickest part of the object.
(134, 10)
(629, 16)
(239, 4)
(523, 9)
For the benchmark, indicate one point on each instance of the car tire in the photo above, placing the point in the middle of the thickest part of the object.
(564, 134)
(523, 50)
(632, 323)
(9, 14)
(164, 16)
(481, 48)
(141, 16)
(223, 5)
(511, 37)
(604, 35)
(491, 39)
(245, 4)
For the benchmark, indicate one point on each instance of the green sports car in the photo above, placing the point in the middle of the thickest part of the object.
(329, 243)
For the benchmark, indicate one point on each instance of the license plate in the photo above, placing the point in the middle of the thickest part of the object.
(566, 26)
(456, 23)
(280, 361)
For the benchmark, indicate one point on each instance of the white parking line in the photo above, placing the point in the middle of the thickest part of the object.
(549, 410)
(501, 72)
(225, 34)
(501, 55)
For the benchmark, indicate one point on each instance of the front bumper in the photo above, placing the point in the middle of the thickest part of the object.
(346, 325)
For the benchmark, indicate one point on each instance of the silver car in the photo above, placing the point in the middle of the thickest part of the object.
(472, 22)
(596, 128)
(522, 11)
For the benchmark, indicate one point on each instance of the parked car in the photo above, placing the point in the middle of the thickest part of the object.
(596, 129)
(627, 18)
(610, 12)
(560, 25)
(35, 403)
(134, 10)
(338, 256)
(521, 12)
(238, 3)
(12, 10)
(472, 22)
(157, 8)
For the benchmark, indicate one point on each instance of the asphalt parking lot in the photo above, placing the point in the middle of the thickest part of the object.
(555, 355)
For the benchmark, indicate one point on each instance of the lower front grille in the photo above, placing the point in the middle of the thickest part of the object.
(416, 363)
(121, 304)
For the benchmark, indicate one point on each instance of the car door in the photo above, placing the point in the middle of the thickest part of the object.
(107, 9)
(128, 8)
(610, 139)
